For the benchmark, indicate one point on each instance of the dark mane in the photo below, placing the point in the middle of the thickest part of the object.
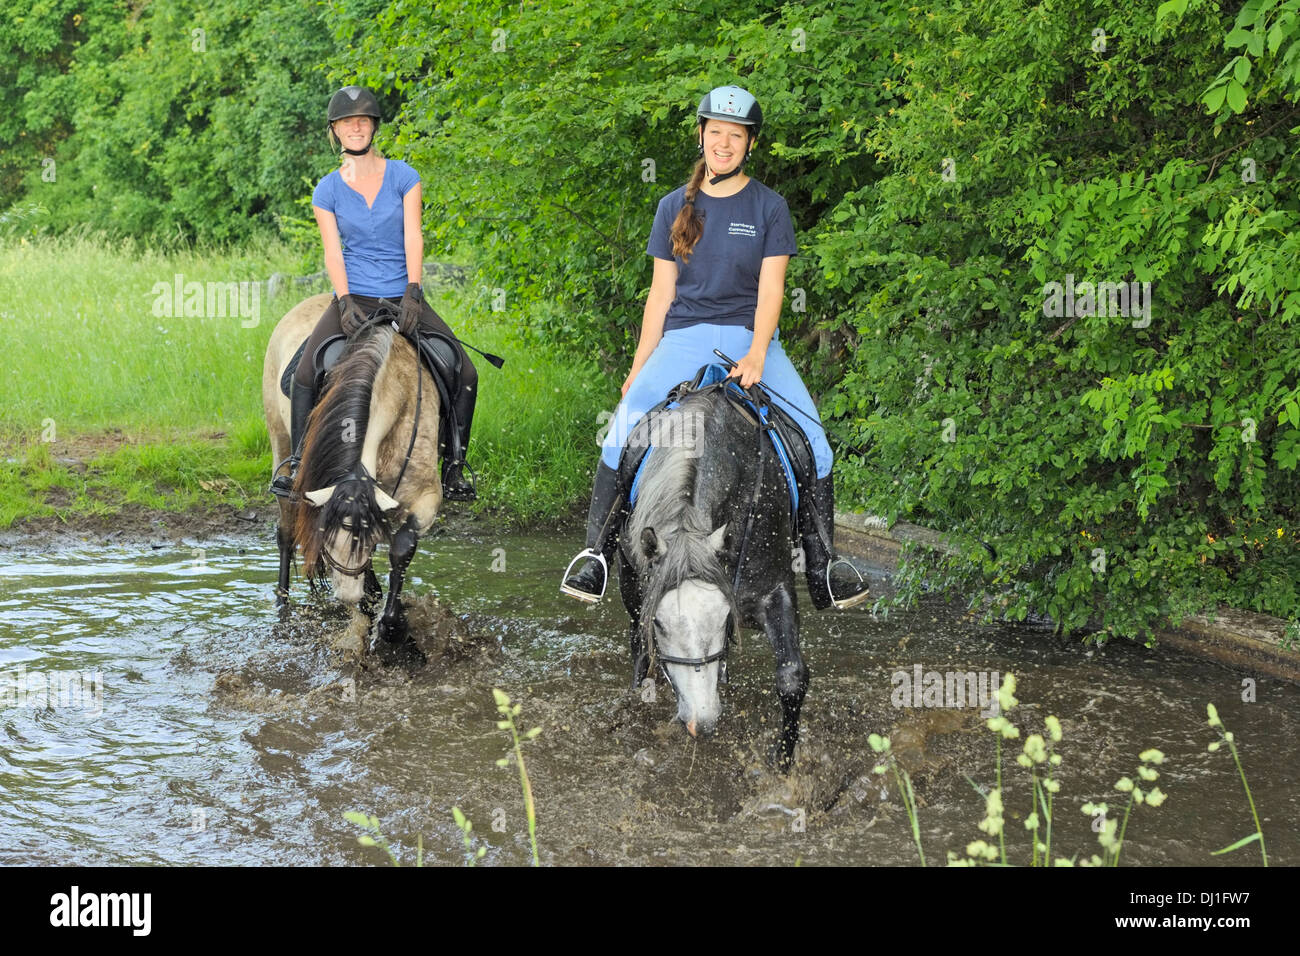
(336, 434)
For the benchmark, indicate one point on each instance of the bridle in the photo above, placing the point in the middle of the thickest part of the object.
(733, 630)
(329, 559)
(695, 662)
(385, 312)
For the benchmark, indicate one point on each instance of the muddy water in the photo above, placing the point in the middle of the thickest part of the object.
(220, 733)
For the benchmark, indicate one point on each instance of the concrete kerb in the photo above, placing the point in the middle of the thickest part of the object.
(1240, 639)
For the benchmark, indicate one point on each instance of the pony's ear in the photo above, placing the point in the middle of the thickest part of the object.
(718, 540)
(650, 544)
(320, 496)
(385, 501)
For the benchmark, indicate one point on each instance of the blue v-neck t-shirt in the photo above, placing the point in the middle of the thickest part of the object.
(719, 285)
(373, 237)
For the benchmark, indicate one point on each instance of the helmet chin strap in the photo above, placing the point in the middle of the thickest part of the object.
(713, 181)
(359, 152)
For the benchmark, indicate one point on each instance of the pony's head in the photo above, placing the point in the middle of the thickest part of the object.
(350, 524)
(342, 515)
(688, 616)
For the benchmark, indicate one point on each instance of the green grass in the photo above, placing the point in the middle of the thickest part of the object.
(89, 364)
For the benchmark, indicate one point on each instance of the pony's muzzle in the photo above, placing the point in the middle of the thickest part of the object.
(701, 726)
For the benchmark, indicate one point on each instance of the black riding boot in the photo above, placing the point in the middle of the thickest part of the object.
(301, 400)
(454, 485)
(588, 582)
(843, 586)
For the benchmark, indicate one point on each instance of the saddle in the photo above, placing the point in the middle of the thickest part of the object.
(788, 440)
(440, 356)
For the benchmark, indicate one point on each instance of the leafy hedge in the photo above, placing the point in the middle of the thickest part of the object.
(169, 121)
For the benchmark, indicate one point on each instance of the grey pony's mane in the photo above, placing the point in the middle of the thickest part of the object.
(667, 504)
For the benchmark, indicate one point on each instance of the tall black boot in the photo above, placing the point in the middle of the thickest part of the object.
(831, 580)
(302, 398)
(589, 581)
(454, 485)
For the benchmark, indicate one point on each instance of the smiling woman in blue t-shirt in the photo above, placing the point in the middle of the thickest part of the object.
(721, 246)
(368, 212)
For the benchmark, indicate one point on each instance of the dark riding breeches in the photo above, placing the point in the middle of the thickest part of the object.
(328, 327)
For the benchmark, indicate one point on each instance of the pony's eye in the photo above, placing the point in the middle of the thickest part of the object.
(658, 626)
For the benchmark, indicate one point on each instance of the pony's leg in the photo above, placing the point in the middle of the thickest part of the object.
(395, 645)
(630, 589)
(373, 593)
(779, 618)
(284, 539)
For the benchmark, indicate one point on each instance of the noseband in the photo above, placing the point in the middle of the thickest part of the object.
(695, 662)
(359, 472)
(343, 569)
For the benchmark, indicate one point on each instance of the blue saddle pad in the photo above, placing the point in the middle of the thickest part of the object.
(715, 374)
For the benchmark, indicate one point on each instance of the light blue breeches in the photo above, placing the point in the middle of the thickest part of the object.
(677, 358)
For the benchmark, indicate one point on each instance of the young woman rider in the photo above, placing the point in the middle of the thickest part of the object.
(368, 212)
(721, 245)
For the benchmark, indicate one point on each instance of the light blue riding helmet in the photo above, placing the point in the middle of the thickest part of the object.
(733, 104)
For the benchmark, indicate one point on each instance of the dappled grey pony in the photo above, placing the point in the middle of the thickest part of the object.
(706, 548)
(369, 471)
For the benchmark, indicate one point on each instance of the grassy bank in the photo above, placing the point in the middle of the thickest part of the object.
(110, 401)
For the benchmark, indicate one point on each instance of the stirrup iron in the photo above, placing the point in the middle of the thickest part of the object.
(848, 602)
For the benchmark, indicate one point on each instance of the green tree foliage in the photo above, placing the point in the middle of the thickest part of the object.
(1122, 471)
(40, 51)
(177, 119)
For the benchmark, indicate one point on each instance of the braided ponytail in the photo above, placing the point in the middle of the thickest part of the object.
(688, 226)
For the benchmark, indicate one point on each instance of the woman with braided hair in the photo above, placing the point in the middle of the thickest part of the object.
(368, 212)
(721, 245)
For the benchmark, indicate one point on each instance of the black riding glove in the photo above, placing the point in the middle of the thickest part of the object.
(411, 310)
(351, 316)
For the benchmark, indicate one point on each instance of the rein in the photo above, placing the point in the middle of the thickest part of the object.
(760, 428)
(415, 426)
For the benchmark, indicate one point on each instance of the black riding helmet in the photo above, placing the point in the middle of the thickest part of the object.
(354, 101)
(735, 105)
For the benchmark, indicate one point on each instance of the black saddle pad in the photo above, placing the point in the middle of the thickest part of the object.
(440, 370)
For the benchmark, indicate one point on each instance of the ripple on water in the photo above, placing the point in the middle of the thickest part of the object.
(227, 736)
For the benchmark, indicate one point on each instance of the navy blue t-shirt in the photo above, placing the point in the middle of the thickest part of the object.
(720, 283)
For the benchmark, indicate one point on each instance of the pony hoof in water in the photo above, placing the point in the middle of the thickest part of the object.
(403, 652)
(780, 755)
(393, 642)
